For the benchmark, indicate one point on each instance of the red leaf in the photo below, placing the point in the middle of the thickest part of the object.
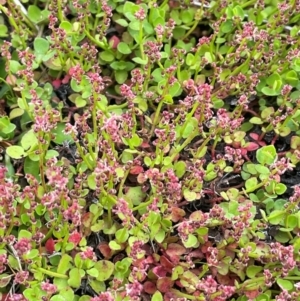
(254, 136)
(166, 263)
(114, 41)
(50, 245)
(251, 146)
(136, 170)
(105, 250)
(66, 79)
(56, 83)
(75, 238)
(164, 284)
(149, 287)
(252, 294)
(159, 271)
(175, 249)
(177, 214)
(145, 144)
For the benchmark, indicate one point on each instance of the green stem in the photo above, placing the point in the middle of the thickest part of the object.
(142, 205)
(157, 113)
(141, 33)
(248, 3)
(60, 15)
(98, 43)
(191, 30)
(183, 145)
(239, 68)
(123, 182)
(187, 119)
(297, 278)
(202, 146)
(83, 156)
(51, 274)
(41, 164)
(114, 107)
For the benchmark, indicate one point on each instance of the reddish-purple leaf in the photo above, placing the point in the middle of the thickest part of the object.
(164, 284)
(149, 287)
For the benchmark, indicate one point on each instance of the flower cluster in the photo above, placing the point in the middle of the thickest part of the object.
(215, 291)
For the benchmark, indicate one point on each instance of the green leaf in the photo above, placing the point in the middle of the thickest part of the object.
(105, 269)
(157, 296)
(60, 137)
(280, 188)
(147, 161)
(239, 12)
(256, 120)
(266, 155)
(24, 234)
(174, 89)
(262, 169)
(140, 61)
(64, 264)
(276, 217)
(121, 76)
(123, 48)
(67, 26)
(291, 78)
(189, 195)
(67, 293)
(187, 15)
(253, 270)
(227, 26)
(93, 272)
(283, 235)
(16, 152)
(135, 195)
(251, 183)
(5, 279)
(121, 22)
(34, 14)
(122, 235)
(191, 242)
(107, 56)
(3, 31)
(41, 46)
(180, 168)
(285, 284)
(292, 221)
(29, 140)
(114, 245)
(74, 278)
(32, 167)
(269, 91)
(14, 66)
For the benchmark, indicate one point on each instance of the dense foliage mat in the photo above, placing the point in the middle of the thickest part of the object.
(149, 150)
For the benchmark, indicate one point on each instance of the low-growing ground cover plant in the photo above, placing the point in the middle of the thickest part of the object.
(149, 150)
